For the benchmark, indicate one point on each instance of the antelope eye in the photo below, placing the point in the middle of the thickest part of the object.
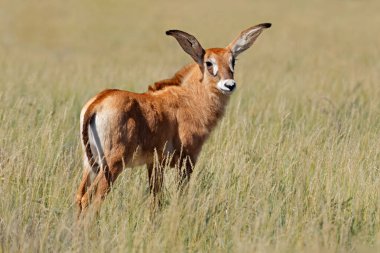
(212, 67)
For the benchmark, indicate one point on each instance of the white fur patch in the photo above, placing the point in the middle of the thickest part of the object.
(214, 69)
(96, 134)
(225, 85)
(214, 66)
(230, 64)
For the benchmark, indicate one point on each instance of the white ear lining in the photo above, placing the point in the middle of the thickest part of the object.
(245, 40)
(252, 31)
(240, 43)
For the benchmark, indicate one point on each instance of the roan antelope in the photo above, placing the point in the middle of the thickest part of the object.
(174, 117)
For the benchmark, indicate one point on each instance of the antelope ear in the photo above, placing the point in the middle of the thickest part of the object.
(246, 38)
(189, 44)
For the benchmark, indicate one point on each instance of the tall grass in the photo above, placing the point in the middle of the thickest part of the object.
(293, 167)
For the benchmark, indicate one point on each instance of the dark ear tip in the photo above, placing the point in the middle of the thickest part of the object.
(170, 32)
(266, 25)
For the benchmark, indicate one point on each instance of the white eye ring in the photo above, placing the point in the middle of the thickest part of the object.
(231, 67)
(215, 69)
(214, 66)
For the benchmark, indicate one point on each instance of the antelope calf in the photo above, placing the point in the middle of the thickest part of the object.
(174, 117)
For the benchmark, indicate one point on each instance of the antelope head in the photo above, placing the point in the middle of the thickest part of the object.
(218, 64)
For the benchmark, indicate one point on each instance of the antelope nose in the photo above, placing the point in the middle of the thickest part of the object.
(231, 85)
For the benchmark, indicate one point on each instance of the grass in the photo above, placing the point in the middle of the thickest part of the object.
(293, 167)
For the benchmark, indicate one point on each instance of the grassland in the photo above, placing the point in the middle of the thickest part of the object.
(293, 167)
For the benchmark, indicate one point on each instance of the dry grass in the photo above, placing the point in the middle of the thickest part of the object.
(293, 167)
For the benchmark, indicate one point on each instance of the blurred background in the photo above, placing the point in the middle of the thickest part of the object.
(301, 131)
(309, 34)
(124, 31)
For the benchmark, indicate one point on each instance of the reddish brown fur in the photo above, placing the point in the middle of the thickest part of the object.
(176, 80)
(174, 117)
